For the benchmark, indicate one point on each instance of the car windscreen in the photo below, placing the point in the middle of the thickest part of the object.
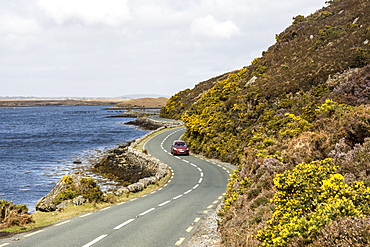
(180, 144)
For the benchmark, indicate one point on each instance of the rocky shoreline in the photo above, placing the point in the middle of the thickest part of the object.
(131, 169)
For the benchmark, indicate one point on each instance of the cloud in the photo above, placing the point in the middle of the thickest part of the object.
(17, 31)
(108, 12)
(208, 26)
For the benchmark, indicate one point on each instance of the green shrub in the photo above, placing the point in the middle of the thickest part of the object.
(329, 34)
(298, 18)
(308, 198)
(362, 57)
(85, 187)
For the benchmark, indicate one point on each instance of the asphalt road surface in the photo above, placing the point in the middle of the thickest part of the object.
(167, 217)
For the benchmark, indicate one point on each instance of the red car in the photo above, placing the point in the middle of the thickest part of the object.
(179, 147)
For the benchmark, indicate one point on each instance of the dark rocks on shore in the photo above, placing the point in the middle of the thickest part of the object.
(123, 167)
(145, 123)
(135, 114)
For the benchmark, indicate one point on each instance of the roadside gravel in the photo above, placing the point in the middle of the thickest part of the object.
(207, 234)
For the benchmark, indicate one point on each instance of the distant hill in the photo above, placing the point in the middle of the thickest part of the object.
(138, 96)
(143, 103)
(297, 124)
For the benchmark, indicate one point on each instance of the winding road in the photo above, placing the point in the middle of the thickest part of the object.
(168, 216)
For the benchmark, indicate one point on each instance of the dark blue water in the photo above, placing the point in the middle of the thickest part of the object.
(39, 144)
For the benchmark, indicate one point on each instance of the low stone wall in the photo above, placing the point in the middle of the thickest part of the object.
(135, 156)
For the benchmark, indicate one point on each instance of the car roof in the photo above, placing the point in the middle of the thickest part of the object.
(179, 141)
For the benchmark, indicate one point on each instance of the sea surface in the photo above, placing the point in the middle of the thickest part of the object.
(39, 144)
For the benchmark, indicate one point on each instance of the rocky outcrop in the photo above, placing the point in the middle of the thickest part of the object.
(154, 123)
(137, 168)
(67, 186)
(128, 165)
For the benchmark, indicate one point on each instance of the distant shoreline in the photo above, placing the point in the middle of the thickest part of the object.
(56, 102)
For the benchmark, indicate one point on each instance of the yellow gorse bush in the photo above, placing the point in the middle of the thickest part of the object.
(309, 197)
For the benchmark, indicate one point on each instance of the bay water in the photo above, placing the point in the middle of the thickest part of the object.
(38, 145)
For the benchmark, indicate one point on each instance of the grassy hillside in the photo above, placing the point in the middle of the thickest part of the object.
(143, 103)
(297, 124)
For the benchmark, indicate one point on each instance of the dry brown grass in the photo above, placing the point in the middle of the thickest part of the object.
(143, 103)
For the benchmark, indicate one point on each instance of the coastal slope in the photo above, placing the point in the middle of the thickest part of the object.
(296, 121)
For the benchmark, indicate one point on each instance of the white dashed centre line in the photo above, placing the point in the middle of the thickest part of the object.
(164, 203)
(147, 211)
(95, 241)
(177, 197)
(123, 224)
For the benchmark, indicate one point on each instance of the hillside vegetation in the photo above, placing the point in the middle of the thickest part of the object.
(296, 122)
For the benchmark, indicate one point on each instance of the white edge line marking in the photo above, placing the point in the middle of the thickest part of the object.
(84, 215)
(5, 244)
(147, 211)
(95, 241)
(29, 235)
(123, 224)
(163, 203)
(61, 223)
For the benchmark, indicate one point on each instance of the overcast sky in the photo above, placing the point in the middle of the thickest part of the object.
(120, 47)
